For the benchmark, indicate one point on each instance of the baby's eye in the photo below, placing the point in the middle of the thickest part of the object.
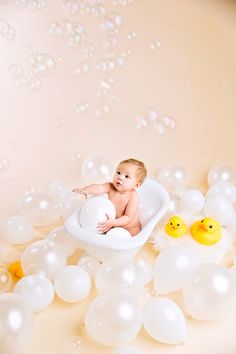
(126, 176)
(118, 172)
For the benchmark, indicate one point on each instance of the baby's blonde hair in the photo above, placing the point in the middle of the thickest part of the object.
(141, 172)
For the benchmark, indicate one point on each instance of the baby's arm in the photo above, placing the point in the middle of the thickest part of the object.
(93, 189)
(130, 212)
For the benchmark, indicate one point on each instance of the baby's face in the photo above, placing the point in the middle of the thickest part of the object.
(125, 177)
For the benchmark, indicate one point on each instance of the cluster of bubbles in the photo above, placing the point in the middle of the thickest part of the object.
(7, 32)
(34, 5)
(132, 35)
(82, 7)
(122, 286)
(192, 205)
(161, 125)
(61, 122)
(41, 65)
(155, 44)
(74, 32)
(122, 3)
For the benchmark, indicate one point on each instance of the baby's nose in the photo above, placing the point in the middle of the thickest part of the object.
(121, 177)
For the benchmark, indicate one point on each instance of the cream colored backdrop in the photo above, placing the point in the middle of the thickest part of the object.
(153, 79)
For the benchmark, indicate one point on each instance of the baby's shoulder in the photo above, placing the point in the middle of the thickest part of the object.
(134, 196)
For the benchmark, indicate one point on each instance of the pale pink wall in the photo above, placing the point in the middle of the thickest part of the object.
(189, 76)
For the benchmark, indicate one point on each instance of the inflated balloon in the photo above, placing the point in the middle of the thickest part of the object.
(16, 324)
(17, 230)
(39, 208)
(126, 350)
(173, 177)
(144, 271)
(43, 257)
(5, 280)
(174, 205)
(89, 264)
(231, 226)
(171, 268)
(118, 233)
(113, 319)
(192, 201)
(223, 189)
(164, 321)
(61, 238)
(220, 209)
(221, 173)
(72, 283)
(115, 275)
(95, 168)
(36, 290)
(94, 211)
(209, 292)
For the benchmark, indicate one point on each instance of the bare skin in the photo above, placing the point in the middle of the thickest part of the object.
(122, 193)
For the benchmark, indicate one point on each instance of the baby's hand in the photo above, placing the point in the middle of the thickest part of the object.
(105, 226)
(80, 191)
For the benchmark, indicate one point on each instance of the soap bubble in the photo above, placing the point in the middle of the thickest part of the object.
(95, 168)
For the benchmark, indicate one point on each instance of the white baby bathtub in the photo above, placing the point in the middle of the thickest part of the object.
(154, 202)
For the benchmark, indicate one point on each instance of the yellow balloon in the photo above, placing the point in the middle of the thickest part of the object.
(5, 280)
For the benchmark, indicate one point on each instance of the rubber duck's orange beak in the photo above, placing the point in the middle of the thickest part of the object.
(203, 227)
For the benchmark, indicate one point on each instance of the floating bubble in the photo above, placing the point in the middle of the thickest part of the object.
(76, 157)
(152, 115)
(111, 22)
(38, 5)
(55, 29)
(21, 3)
(110, 41)
(76, 342)
(131, 35)
(121, 61)
(11, 183)
(4, 164)
(34, 84)
(159, 128)
(82, 107)
(42, 64)
(141, 123)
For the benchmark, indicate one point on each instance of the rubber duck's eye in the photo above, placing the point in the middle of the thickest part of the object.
(171, 223)
(202, 220)
(177, 224)
(210, 226)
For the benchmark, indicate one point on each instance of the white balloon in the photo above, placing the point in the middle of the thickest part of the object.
(231, 226)
(94, 211)
(144, 271)
(39, 208)
(43, 257)
(118, 233)
(95, 168)
(61, 238)
(192, 201)
(221, 173)
(16, 324)
(209, 292)
(223, 189)
(115, 275)
(36, 290)
(113, 319)
(17, 230)
(164, 321)
(72, 283)
(173, 177)
(127, 350)
(220, 209)
(171, 267)
(89, 264)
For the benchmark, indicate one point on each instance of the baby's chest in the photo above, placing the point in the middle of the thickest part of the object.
(120, 203)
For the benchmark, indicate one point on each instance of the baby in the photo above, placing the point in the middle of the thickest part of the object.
(129, 175)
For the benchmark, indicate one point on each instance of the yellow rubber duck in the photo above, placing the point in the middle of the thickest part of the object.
(16, 270)
(206, 231)
(176, 227)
